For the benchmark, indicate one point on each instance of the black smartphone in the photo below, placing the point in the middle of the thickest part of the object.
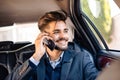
(49, 43)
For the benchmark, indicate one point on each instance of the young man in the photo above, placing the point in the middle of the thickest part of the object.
(63, 62)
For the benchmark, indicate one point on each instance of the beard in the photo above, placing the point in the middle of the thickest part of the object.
(61, 44)
(61, 48)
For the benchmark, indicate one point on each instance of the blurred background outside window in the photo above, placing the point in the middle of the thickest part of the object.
(105, 14)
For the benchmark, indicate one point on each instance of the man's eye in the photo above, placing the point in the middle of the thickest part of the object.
(66, 31)
(55, 32)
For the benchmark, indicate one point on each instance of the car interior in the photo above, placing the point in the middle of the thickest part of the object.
(15, 53)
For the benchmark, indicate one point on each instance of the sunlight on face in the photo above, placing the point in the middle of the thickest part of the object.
(59, 32)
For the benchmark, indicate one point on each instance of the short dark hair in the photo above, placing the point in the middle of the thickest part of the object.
(51, 16)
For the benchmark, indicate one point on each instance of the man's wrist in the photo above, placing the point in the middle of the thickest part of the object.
(34, 61)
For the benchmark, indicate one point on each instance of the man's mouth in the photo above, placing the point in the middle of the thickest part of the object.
(62, 42)
(62, 39)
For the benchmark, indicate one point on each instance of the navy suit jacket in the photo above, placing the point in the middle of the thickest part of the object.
(77, 65)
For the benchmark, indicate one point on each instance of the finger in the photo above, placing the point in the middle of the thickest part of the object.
(42, 35)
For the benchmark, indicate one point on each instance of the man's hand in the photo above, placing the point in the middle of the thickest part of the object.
(39, 46)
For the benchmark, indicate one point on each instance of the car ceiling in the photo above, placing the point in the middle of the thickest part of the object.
(19, 11)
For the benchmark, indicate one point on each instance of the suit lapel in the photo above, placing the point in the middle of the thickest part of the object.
(66, 64)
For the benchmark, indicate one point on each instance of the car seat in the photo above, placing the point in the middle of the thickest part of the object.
(3, 72)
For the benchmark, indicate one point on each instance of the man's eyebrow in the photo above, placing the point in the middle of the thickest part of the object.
(45, 31)
(66, 29)
(56, 30)
(59, 30)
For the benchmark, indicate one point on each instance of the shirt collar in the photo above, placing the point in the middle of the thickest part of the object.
(59, 59)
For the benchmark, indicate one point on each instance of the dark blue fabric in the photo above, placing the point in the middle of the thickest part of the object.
(52, 74)
(32, 65)
(76, 65)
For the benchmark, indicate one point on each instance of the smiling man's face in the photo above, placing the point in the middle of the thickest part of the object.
(59, 32)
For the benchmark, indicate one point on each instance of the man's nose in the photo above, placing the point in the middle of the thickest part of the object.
(62, 35)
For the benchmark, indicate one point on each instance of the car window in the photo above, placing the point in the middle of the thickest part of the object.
(105, 16)
(19, 32)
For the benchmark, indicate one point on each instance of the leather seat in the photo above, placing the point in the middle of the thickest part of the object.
(3, 72)
(5, 45)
